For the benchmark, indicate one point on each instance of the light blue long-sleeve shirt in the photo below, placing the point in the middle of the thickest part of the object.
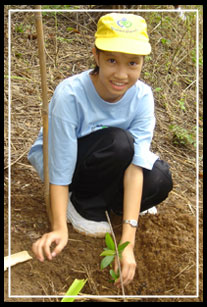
(76, 109)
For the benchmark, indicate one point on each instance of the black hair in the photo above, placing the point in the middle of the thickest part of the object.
(95, 71)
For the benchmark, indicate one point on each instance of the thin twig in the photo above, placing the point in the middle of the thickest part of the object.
(91, 282)
(177, 49)
(155, 28)
(17, 159)
(79, 24)
(92, 297)
(186, 268)
(189, 85)
(117, 254)
(99, 299)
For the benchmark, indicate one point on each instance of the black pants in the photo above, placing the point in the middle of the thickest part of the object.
(97, 184)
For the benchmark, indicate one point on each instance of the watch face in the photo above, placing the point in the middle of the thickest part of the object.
(134, 223)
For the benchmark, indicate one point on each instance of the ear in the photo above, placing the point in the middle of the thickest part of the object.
(96, 56)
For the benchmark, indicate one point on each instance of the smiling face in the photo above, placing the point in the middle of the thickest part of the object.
(117, 73)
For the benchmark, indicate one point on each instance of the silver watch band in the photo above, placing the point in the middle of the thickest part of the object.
(133, 223)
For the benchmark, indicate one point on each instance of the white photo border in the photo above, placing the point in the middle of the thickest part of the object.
(10, 11)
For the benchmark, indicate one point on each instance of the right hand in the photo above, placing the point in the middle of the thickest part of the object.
(128, 266)
(42, 246)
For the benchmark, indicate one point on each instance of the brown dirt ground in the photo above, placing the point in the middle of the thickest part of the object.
(165, 243)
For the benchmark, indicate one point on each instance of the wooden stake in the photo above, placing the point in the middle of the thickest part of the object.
(41, 48)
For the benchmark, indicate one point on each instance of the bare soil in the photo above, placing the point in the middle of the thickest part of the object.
(166, 242)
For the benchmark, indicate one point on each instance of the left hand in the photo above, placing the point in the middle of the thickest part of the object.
(42, 246)
(128, 266)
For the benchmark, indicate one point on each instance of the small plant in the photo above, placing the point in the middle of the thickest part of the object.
(109, 254)
(158, 89)
(182, 104)
(19, 28)
(165, 41)
(74, 289)
(181, 136)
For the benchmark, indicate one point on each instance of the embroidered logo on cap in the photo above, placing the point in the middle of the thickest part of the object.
(124, 23)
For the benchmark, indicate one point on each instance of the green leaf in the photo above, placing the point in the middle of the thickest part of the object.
(17, 77)
(106, 261)
(109, 241)
(62, 39)
(114, 275)
(158, 89)
(70, 29)
(122, 246)
(74, 289)
(108, 252)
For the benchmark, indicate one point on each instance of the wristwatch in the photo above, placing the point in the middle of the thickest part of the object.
(133, 223)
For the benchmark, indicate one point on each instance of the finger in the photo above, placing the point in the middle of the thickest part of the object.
(34, 248)
(60, 245)
(129, 278)
(48, 241)
(37, 249)
(128, 273)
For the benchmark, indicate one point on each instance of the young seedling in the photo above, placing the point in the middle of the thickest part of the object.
(109, 254)
(74, 290)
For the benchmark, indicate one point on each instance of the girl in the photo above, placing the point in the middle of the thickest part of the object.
(101, 125)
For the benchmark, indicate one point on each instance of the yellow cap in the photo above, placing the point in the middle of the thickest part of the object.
(125, 33)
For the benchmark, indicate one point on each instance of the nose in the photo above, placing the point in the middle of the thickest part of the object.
(120, 73)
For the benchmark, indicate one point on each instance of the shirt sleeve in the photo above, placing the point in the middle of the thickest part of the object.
(142, 128)
(62, 136)
(62, 152)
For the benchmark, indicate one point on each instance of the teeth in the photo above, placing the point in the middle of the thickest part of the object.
(119, 84)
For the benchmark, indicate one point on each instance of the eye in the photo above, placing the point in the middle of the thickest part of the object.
(112, 61)
(133, 63)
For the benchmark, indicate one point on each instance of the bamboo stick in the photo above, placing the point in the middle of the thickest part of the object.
(117, 254)
(40, 39)
(16, 258)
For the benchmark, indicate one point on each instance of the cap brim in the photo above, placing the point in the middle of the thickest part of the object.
(124, 45)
